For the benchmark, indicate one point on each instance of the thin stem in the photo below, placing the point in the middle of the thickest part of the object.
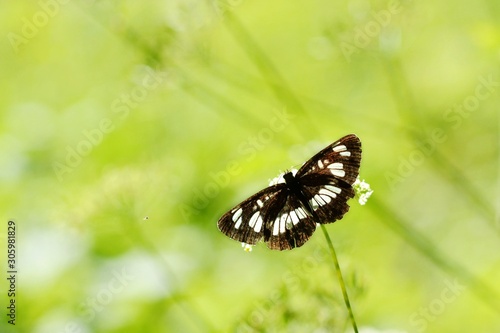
(339, 276)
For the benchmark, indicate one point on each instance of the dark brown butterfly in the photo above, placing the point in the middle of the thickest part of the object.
(285, 214)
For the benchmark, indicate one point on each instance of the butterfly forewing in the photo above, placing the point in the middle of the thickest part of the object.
(248, 221)
(341, 159)
(327, 178)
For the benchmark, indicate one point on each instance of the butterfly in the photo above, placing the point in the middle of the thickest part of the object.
(285, 214)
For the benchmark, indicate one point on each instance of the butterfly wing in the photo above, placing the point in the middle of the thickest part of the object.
(340, 159)
(327, 197)
(292, 226)
(250, 221)
(285, 216)
(327, 178)
(272, 215)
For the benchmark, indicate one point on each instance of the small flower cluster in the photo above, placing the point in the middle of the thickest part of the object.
(363, 190)
(247, 247)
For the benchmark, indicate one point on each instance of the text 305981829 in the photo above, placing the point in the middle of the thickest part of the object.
(11, 272)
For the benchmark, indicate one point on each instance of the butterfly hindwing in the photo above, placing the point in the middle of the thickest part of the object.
(272, 215)
(292, 226)
(327, 196)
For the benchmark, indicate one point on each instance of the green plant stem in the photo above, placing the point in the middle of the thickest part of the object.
(339, 276)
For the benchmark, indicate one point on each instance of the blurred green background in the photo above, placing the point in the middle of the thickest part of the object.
(128, 128)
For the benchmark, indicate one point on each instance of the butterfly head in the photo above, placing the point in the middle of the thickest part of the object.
(281, 177)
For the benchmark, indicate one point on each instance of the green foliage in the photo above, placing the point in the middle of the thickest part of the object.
(128, 128)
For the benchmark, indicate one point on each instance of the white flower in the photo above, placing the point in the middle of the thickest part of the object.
(247, 247)
(363, 190)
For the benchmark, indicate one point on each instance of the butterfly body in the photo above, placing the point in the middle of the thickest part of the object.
(294, 188)
(285, 214)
